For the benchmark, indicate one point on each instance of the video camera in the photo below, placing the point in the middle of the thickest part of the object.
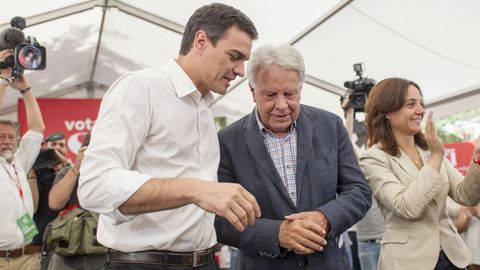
(359, 89)
(46, 158)
(28, 52)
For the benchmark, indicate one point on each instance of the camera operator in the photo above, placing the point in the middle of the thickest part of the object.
(43, 177)
(16, 225)
(370, 229)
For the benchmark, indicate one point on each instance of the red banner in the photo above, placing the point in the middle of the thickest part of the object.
(460, 154)
(73, 117)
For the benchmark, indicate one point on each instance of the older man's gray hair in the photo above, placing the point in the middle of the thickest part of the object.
(282, 56)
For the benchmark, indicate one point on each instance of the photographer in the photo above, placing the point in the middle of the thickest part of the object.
(63, 196)
(370, 229)
(16, 202)
(44, 177)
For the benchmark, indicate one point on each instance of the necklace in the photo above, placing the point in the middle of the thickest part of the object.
(417, 158)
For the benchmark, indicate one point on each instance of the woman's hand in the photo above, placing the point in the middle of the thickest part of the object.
(476, 150)
(434, 143)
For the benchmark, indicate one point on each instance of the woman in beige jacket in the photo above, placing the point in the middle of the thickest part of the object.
(411, 180)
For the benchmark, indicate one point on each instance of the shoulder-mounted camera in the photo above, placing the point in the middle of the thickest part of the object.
(29, 55)
(359, 89)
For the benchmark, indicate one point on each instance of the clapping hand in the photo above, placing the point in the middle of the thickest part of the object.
(476, 150)
(433, 140)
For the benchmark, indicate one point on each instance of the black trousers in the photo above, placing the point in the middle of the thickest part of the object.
(444, 263)
(134, 266)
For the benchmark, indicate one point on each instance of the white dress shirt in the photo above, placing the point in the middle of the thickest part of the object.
(152, 123)
(11, 204)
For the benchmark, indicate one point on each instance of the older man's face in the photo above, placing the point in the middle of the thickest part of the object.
(277, 93)
(8, 141)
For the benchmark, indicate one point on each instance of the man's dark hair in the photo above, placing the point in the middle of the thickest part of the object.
(55, 136)
(215, 19)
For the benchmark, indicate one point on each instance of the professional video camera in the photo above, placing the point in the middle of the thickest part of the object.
(28, 52)
(358, 89)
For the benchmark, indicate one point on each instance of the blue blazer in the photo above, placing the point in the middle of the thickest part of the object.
(328, 179)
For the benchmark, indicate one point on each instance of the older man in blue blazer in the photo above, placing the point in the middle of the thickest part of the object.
(299, 164)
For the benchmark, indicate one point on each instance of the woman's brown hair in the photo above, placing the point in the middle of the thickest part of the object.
(388, 96)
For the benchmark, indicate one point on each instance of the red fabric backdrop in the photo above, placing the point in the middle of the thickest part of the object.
(460, 154)
(73, 117)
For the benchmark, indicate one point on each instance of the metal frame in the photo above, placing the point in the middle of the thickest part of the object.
(329, 87)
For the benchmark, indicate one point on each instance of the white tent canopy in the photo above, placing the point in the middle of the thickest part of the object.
(433, 42)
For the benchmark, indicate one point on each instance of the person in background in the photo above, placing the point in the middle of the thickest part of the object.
(299, 163)
(42, 181)
(151, 167)
(16, 202)
(370, 229)
(468, 225)
(63, 195)
(411, 179)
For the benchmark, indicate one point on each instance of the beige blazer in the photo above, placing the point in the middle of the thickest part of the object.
(413, 202)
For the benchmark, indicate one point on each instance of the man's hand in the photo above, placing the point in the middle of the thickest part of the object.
(314, 216)
(79, 158)
(302, 236)
(230, 201)
(20, 83)
(61, 158)
(4, 54)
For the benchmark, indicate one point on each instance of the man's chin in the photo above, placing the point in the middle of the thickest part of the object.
(220, 91)
(7, 154)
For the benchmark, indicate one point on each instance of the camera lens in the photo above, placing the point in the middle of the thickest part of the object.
(30, 57)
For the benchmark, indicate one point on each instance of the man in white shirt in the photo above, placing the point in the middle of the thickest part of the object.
(16, 225)
(151, 167)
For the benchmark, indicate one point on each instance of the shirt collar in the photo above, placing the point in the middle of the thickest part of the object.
(264, 129)
(183, 84)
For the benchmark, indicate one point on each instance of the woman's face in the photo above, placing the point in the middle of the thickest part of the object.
(407, 120)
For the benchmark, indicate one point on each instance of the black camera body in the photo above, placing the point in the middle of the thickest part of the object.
(29, 55)
(46, 158)
(359, 89)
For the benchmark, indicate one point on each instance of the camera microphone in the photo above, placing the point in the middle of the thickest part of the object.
(10, 37)
(18, 22)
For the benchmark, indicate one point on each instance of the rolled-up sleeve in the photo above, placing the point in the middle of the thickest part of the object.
(28, 149)
(106, 178)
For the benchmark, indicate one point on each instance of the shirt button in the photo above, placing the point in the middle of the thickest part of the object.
(292, 193)
(432, 203)
(433, 226)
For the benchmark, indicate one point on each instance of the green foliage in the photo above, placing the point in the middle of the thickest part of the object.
(450, 130)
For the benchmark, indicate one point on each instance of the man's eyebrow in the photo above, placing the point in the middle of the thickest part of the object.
(238, 54)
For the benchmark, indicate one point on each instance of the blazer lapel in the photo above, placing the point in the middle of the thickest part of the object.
(261, 157)
(304, 149)
(406, 164)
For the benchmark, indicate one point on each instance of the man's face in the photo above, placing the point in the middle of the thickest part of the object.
(277, 94)
(223, 62)
(60, 145)
(8, 141)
